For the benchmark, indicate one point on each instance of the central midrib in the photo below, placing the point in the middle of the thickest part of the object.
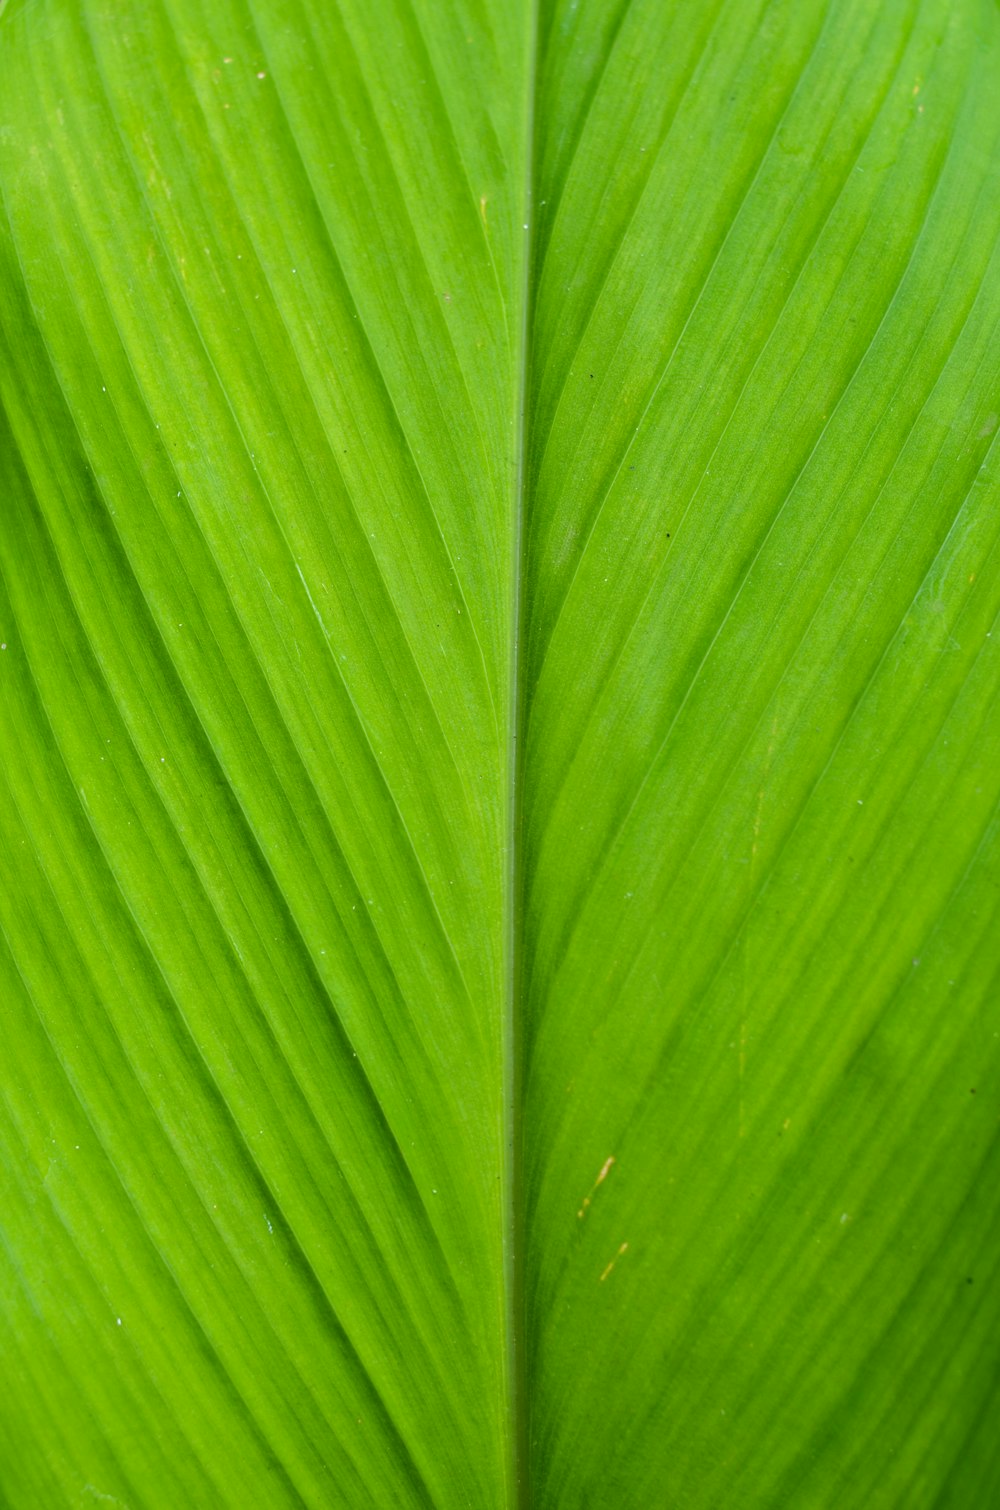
(518, 1490)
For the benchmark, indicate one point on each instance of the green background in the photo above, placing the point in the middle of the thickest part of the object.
(500, 752)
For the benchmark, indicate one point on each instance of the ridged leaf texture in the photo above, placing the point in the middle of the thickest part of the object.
(499, 671)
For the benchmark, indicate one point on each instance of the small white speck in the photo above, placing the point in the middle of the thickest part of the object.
(262, 76)
(103, 389)
(227, 60)
(860, 802)
(269, 1227)
(4, 645)
(119, 1320)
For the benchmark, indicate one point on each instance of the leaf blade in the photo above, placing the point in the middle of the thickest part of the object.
(306, 737)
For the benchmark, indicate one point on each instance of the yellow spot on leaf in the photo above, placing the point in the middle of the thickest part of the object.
(602, 1176)
(610, 1266)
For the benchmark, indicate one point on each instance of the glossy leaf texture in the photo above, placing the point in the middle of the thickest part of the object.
(499, 686)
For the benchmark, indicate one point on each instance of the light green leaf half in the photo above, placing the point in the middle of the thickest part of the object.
(500, 732)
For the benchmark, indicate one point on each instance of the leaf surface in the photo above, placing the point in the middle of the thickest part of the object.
(501, 761)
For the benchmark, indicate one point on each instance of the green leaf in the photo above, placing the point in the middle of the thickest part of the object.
(500, 819)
